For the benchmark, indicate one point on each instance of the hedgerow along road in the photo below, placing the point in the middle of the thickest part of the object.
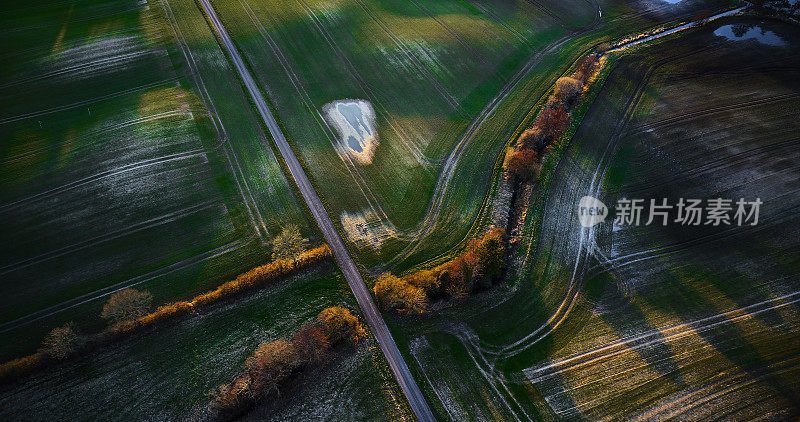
(374, 319)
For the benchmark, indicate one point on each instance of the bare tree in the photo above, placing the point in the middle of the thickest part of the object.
(61, 341)
(289, 244)
(127, 305)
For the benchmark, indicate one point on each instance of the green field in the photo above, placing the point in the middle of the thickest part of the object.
(116, 169)
(649, 321)
(166, 373)
(449, 82)
(130, 157)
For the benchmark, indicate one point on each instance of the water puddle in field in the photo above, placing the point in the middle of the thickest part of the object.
(647, 38)
(354, 121)
(750, 32)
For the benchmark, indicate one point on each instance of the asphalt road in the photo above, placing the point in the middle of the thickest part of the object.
(346, 263)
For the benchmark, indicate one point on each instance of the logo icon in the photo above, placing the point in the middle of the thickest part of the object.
(591, 211)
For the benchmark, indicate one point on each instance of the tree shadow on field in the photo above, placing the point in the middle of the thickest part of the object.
(727, 339)
(627, 318)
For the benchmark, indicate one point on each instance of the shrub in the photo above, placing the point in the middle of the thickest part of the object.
(428, 281)
(456, 277)
(290, 244)
(340, 324)
(311, 343)
(260, 275)
(15, 368)
(531, 138)
(586, 67)
(567, 89)
(524, 164)
(271, 363)
(166, 311)
(61, 341)
(552, 122)
(490, 251)
(127, 305)
(395, 293)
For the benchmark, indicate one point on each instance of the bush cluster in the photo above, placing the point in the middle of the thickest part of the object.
(474, 270)
(127, 312)
(273, 362)
(524, 159)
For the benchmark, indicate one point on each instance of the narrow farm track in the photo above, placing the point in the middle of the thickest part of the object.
(243, 188)
(577, 280)
(102, 175)
(428, 223)
(106, 237)
(478, 349)
(340, 252)
(485, 355)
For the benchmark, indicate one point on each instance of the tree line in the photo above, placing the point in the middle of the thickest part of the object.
(524, 159)
(473, 270)
(274, 362)
(130, 310)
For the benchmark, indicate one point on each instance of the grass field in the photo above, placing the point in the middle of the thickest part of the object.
(166, 373)
(449, 82)
(651, 321)
(130, 156)
(116, 171)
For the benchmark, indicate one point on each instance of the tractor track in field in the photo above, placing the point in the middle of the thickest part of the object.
(428, 223)
(342, 256)
(703, 395)
(109, 236)
(102, 175)
(100, 131)
(709, 166)
(711, 111)
(108, 290)
(497, 19)
(608, 264)
(296, 81)
(421, 68)
(626, 345)
(134, 8)
(83, 67)
(254, 214)
(25, 116)
(472, 50)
